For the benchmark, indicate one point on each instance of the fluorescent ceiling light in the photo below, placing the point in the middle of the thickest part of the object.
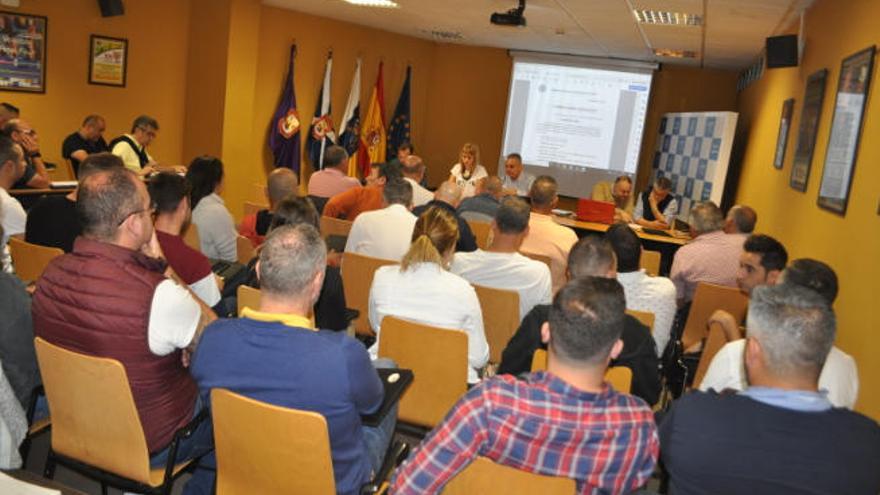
(388, 4)
(667, 18)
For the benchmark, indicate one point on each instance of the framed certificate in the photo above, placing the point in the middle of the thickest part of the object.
(108, 60)
(782, 137)
(811, 113)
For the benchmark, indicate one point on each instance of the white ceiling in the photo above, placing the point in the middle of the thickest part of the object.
(731, 37)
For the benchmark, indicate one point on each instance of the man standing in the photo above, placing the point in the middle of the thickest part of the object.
(281, 183)
(132, 148)
(385, 233)
(448, 197)
(12, 215)
(547, 237)
(35, 175)
(331, 180)
(275, 355)
(112, 297)
(779, 435)
(87, 140)
(516, 181)
(483, 205)
(656, 208)
(564, 422)
(414, 173)
(619, 193)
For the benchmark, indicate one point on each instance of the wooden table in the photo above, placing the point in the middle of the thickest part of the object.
(29, 197)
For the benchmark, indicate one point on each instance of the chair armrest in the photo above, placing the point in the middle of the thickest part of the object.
(395, 455)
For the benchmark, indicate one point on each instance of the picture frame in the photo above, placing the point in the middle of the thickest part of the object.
(808, 128)
(782, 137)
(108, 60)
(846, 128)
(23, 52)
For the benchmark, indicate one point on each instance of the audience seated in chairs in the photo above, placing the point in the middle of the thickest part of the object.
(351, 203)
(86, 141)
(780, 434)
(112, 297)
(546, 237)
(740, 219)
(132, 147)
(590, 257)
(274, 355)
(332, 179)
(52, 221)
(565, 422)
(217, 232)
(35, 175)
(422, 290)
(482, 206)
(281, 183)
(414, 173)
(385, 233)
(12, 215)
(448, 197)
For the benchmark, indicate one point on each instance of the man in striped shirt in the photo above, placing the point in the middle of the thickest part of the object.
(565, 422)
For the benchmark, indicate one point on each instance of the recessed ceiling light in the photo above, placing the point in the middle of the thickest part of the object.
(667, 18)
(387, 4)
(670, 53)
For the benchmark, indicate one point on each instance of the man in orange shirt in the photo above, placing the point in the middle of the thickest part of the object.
(546, 237)
(351, 203)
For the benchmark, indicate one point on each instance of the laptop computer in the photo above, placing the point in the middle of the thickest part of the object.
(589, 210)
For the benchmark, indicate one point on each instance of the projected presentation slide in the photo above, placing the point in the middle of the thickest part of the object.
(576, 117)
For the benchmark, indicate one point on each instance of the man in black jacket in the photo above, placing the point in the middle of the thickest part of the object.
(592, 256)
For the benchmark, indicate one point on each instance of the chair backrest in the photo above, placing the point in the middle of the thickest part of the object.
(438, 358)
(537, 257)
(650, 261)
(191, 237)
(357, 278)
(707, 299)
(645, 318)
(251, 208)
(482, 232)
(263, 448)
(714, 342)
(319, 202)
(94, 418)
(334, 226)
(245, 249)
(500, 317)
(247, 297)
(485, 476)
(29, 259)
(620, 377)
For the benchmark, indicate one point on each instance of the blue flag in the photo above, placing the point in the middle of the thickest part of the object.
(284, 140)
(321, 133)
(398, 129)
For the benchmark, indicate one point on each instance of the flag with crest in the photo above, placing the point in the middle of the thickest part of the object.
(372, 147)
(284, 139)
(321, 133)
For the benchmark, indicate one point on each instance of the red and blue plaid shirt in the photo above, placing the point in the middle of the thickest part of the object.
(607, 441)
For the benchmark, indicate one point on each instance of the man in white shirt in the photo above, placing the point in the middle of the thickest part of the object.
(546, 237)
(414, 172)
(385, 233)
(516, 181)
(12, 216)
(501, 266)
(839, 376)
(654, 295)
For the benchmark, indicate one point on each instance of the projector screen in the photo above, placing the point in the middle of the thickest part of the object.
(576, 119)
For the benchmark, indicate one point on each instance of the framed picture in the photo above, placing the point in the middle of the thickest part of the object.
(811, 113)
(22, 52)
(782, 137)
(846, 126)
(108, 60)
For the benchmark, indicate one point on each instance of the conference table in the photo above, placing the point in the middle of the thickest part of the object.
(28, 197)
(666, 245)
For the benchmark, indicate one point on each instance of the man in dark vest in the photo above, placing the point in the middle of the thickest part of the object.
(114, 296)
(132, 148)
(656, 208)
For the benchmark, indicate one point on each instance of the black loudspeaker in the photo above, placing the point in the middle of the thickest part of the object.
(782, 51)
(110, 8)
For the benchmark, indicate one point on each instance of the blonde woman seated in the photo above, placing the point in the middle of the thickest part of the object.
(468, 170)
(422, 290)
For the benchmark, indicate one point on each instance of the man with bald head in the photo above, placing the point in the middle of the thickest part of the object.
(414, 173)
(281, 183)
(547, 237)
(332, 179)
(740, 219)
(448, 197)
(483, 205)
(88, 140)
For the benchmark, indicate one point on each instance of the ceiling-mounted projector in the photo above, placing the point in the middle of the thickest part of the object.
(513, 17)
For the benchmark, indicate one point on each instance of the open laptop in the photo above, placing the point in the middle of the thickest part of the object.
(589, 210)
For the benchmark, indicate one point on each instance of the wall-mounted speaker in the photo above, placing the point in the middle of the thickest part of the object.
(782, 51)
(110, 8)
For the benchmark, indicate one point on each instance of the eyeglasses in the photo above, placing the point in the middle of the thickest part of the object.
(150, 133)
(151, 210)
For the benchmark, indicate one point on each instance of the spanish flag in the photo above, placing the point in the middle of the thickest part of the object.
(372, 147)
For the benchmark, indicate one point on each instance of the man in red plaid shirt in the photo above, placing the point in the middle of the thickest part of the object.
(564, 422)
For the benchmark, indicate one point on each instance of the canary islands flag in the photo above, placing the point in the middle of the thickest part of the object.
(284, 140)
(351, 121)
(321, 133)
(398, 129)
(372, 148)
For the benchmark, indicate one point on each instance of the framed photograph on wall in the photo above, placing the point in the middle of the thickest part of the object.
(22, 52)
(811, 113)
(846, 126)
(108, 60)
(782, 137)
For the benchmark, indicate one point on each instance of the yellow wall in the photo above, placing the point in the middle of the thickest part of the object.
(156, 79)
(851, 243)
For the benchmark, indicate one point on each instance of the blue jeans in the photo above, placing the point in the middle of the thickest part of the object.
(378, 438)
(200, 442)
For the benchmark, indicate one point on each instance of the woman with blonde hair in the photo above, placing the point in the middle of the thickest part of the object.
(422, 290)
(468, 170)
